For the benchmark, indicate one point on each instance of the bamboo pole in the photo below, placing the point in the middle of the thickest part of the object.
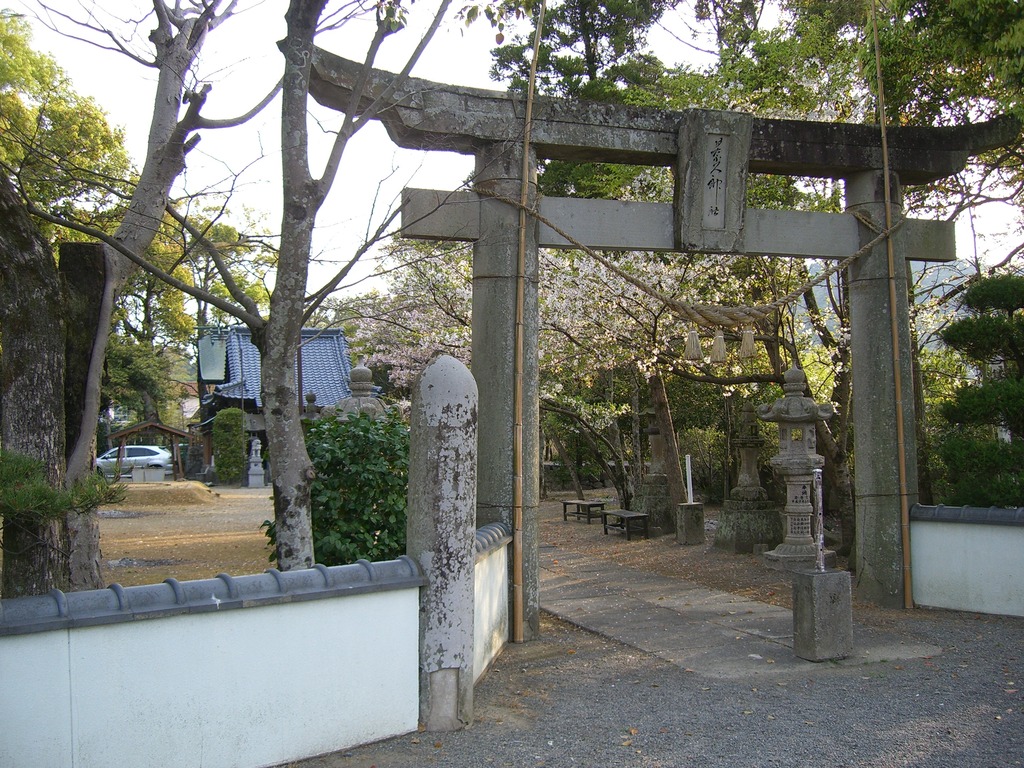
(518, 598)
(901, 463)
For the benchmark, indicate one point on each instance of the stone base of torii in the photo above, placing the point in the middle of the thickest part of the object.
(709, 151)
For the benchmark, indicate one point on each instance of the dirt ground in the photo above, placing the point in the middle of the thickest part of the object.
(187, 531)
(184, 530)
(701, 563)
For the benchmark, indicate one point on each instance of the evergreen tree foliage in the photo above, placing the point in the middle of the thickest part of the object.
(587, 49)
(57, 143)
(984, 452)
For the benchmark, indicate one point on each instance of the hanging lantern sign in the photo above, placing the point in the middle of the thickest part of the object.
(213, 362)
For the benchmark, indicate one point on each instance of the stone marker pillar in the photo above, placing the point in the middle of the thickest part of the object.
(879, 547)
(495, 258)
(690, 523)
(653, 495)
(822, 615)
(440, 531)
(822, 603)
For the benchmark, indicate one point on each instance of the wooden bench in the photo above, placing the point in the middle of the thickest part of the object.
(583, 508)
(626, 521)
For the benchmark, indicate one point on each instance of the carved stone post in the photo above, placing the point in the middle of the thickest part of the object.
(440, 536)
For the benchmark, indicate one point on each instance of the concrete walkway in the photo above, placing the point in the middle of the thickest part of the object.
(714, 633)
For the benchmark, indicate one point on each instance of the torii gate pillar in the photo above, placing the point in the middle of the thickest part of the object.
(499, 168)
(877, 487)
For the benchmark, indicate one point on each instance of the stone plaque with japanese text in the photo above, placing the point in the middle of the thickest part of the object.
(711, 181)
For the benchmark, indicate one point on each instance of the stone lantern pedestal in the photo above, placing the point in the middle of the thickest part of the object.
(796, 461)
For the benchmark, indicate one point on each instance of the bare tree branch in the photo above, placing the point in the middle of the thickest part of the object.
(232, 122)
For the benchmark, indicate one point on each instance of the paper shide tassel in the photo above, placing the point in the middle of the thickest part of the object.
(747, 343)
(718, 351)
(693, 350)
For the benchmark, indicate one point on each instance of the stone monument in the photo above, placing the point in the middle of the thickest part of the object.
(749, 522)
(440, 537)
(796, 461)
(652, 496)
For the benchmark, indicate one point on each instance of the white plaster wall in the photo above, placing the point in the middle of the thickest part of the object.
(35, 702)
(250, 687)
(968, 567)
(490, 607)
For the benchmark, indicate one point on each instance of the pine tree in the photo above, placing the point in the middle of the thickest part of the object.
(984, 450)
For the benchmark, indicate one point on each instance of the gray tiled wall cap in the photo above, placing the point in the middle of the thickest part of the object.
(491, 536)
(60, 610)
(980, 515)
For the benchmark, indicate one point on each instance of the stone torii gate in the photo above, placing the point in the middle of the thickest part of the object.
(711, 152)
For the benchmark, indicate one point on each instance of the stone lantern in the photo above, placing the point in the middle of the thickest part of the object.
(797, 459)
(749, 521)
(362, 399)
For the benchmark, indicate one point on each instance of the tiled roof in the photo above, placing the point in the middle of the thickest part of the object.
(57, 610)
(325, 366)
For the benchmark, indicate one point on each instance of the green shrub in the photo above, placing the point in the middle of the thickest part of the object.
(358, 498)
(229, 452)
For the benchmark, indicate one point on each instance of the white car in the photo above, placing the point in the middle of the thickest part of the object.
(134, 456)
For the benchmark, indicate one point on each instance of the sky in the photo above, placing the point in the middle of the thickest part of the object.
(241, 62)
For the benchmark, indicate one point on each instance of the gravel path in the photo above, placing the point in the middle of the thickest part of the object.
(576, 698)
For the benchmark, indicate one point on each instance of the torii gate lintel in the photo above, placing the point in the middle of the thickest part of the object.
(421, 114)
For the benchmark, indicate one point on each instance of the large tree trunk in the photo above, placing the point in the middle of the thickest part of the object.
(32, 391)
(87, 296)
(291, 467)
(636, 467)
(563, 457)
(169, 142)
